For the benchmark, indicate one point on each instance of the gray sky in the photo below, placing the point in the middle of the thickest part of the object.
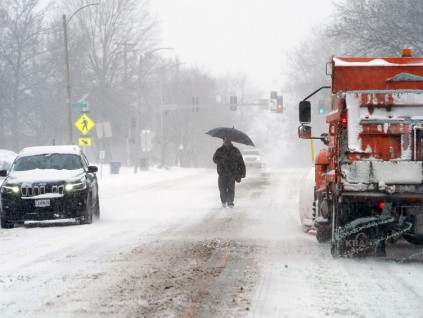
(248, 36)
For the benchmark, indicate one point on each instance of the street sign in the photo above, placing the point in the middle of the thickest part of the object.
(84, 141)
(104, 130)
(84, 124)
(146, 140)
(79, 105)
(169, 107)
(272, 104)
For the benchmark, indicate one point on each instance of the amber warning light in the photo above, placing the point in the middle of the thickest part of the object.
(406, 53)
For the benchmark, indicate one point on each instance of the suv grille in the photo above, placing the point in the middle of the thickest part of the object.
(29, 191)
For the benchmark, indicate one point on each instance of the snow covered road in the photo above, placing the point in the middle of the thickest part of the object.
(164, 247)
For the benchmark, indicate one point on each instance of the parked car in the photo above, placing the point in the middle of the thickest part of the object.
(47, 183)
(253, 158)
(6, 159)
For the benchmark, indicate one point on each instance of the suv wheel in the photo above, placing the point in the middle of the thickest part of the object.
(96, 212)
(88, 215)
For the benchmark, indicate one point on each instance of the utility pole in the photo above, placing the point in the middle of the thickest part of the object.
(67, 72)
(67, 80)
(143, 57)
(131, 137)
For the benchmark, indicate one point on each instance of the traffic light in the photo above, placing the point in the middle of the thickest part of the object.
(279, 104)
(232, 102)
(273, 100)
(195, 104)
(321, 107)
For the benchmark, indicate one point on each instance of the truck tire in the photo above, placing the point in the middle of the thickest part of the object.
(323, 234)
(415, 240)
(6, 225)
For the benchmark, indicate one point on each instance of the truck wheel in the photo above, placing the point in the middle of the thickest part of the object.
(323, 234)
(380, 249)
(6, 225)
(415, 240)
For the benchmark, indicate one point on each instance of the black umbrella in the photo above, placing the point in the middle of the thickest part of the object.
(231, 133)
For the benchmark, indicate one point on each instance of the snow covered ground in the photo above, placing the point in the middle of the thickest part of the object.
(164, 247)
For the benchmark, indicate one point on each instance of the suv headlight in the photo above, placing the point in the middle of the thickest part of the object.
(10, 188)
(76, 186)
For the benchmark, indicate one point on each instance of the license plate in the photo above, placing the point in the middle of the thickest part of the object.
(42, 203)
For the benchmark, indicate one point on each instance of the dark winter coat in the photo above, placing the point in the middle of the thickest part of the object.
(229, 162)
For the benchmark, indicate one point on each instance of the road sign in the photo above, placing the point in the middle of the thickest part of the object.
(146, 140)
(79, 105)
(84, 124)
(169, 107)
(84, 141)
(104, 130)
(272, 104)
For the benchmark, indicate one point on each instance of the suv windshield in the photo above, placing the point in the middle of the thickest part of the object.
(48, 161)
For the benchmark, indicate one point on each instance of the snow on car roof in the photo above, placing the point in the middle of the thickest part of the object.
(39, 150)
(7, 155)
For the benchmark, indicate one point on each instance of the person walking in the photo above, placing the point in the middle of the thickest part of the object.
(230, 168)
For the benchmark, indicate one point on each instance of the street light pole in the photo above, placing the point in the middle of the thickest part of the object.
(67, 72)
(138, 117)
(67, 80)
(162, 148)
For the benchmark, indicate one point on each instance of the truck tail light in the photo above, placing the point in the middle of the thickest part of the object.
(344, 120)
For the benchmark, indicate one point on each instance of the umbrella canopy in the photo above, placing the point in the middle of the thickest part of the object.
(231, 133)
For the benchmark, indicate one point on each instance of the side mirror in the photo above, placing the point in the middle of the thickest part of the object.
(304, 132)
(305, 112)
(325, 138)
(92, 169)
(3, 173)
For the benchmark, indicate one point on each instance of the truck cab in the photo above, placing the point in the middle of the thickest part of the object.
(369, 178)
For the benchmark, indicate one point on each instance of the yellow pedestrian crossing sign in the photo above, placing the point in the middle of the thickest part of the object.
(84, 124)
(84, 141)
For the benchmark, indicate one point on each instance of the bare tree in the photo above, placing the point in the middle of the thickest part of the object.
(307, 64)
(23, 34)
(378, 26)
(114, 34)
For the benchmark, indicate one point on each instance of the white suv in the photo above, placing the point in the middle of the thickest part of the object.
(253, 158)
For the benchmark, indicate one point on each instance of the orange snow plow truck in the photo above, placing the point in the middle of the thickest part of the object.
(369, 177)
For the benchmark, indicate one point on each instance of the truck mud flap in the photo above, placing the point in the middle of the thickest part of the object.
(362, 237)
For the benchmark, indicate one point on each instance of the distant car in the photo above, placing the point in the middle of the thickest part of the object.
(253, 158)
(6, 159)
(47, 183)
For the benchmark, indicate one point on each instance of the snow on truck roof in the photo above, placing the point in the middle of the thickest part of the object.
(40, 150)
(363, 61)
